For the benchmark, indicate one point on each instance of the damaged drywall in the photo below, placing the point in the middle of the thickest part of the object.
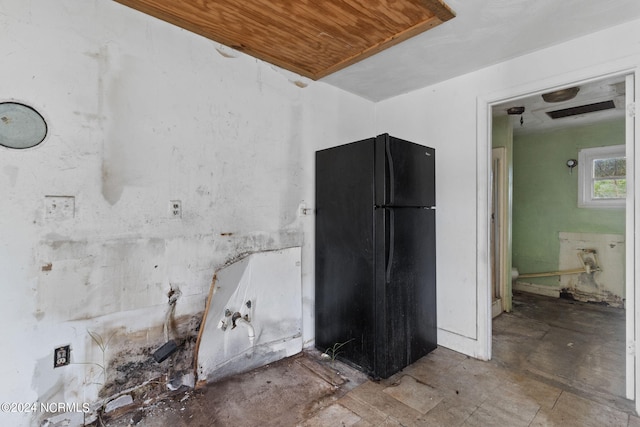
(129, 365)
(112, 348)
(254, 315)
(92, 277)
(604, 257)
(591, 268)
(114, 357)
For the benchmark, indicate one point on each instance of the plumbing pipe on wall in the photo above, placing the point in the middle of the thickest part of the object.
(250, 331)
(554, 273)
(588, 266)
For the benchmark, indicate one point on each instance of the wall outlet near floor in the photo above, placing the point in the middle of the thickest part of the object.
(175, 209)
(59, 207)
(61, 356)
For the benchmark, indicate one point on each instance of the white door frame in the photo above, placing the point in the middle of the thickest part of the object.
(499, 202)
(631, 246)
(484, 106)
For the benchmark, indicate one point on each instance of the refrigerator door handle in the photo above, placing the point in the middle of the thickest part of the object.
(391, 244)
(391, 180)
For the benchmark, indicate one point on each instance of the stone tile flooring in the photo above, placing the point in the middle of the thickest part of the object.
(556, 363)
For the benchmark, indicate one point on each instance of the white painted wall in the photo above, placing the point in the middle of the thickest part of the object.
(452, 117)
(141, 113)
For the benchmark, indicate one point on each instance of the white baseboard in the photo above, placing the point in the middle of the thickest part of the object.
(532, 288)
(461, 344)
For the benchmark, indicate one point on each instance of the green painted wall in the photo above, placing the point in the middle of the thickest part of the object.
(545, 197)
(502, 132)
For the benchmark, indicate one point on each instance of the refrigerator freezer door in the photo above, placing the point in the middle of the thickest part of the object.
(405, 173)
(405, 286)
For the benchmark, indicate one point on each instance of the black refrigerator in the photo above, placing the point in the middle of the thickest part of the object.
(375, 277)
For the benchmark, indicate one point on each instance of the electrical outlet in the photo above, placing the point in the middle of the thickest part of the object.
(303, 210)
(175, 209)
(61, 356)
(59, 207)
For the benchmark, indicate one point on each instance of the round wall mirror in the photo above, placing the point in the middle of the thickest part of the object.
(20, 126)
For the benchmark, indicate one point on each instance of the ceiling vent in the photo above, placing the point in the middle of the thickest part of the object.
(581, 109)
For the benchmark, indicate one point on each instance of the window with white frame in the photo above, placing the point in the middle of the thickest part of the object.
(602, 182)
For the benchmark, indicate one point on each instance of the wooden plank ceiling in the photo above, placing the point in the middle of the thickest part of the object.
(313, 38)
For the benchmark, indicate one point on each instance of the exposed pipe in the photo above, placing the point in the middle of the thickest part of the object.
(250, 331)
(170, 310)
(588, 266)
(169, 347)
(555, 273)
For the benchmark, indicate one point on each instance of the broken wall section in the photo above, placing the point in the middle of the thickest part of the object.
(605, 256)
(255, 315)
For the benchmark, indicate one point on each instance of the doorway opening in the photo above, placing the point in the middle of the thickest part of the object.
(544, 246)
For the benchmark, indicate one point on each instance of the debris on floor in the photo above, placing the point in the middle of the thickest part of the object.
(517, 387)
(286, 392)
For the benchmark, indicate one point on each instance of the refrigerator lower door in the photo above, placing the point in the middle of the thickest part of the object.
(405, 288)
(344, 257)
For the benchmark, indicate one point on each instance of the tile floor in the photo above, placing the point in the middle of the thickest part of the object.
(556, 363)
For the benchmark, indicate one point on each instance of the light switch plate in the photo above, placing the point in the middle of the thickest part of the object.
(59, 207)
